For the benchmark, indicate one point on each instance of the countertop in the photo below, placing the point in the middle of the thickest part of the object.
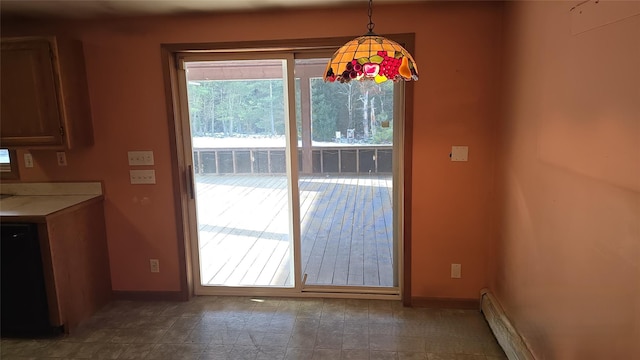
(40, 205)
(43, 199)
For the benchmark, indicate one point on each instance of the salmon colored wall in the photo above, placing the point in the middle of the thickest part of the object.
(455, 104)
(569, 272)
(457, 47)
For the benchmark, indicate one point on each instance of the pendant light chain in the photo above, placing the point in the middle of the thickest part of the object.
(371, 25)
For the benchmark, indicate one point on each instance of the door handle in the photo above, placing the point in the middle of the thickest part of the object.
(191, 183)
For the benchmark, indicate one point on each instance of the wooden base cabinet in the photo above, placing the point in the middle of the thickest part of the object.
(79, 263)
(75, 262)
(44, 94)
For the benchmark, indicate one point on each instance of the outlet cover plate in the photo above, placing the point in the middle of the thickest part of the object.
(456, 271)
(154, 265)
(62, 158)
(28, 160)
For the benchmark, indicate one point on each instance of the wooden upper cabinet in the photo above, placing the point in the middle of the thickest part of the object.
(44, 94)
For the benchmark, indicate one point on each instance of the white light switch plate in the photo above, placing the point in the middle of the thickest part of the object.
(459, 153)
(140, 157)
(142, 176)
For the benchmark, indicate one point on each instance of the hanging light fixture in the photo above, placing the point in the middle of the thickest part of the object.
(371, 57)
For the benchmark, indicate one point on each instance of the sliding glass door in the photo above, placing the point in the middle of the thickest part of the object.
(293, 177)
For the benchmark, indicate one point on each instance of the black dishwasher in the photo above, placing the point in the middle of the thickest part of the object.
(24, 308)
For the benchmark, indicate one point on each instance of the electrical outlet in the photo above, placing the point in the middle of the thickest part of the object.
(142, 176)
(154, 264)
(62, 158)
(140, 158)
(28, 160)
(456, 271)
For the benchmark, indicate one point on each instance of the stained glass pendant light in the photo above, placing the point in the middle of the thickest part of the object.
(371, 57)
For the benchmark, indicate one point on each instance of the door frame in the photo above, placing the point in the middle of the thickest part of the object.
(183, 182)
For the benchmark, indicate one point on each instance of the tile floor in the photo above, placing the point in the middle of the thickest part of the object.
(239, 328)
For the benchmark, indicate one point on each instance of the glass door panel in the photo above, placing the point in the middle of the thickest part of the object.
(346, 151)
(237, 113)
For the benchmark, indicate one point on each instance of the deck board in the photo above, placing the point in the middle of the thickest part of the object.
(370, 249)
(346, 230)
(328, 262)
(356, 254)
(341, 273)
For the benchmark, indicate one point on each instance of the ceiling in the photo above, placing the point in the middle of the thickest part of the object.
(117, 8)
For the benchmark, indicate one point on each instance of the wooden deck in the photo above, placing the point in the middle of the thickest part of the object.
(346, 227)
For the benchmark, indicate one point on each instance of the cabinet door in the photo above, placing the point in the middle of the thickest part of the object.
(30, 108)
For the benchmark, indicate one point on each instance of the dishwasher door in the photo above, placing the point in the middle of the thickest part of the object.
(24, 307)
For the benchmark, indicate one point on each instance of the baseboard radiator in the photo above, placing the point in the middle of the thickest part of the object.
(511, 342)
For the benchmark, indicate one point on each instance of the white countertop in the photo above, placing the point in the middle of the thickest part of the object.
(39, 205)
(42, 199)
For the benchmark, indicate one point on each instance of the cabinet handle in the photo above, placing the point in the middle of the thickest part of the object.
(192, 185)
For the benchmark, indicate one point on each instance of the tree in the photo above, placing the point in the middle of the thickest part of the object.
(347, 89)
(364, 99)
(324, 113)
(236, 107)
(256, 107)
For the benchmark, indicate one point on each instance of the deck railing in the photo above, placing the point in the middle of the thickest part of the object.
(352, 159)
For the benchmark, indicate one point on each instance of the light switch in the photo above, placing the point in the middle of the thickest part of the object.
(142, 176)
(140, 157)
(459, 153)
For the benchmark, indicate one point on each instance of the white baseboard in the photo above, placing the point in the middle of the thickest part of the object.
(508, 337)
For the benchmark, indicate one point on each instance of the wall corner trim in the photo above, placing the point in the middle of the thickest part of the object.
(508, 337)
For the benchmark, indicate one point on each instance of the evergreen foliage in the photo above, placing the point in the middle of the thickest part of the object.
(225, 108)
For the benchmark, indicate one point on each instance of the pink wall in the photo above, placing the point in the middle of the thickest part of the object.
(455, 104)
(569, 265)
(458, 50)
